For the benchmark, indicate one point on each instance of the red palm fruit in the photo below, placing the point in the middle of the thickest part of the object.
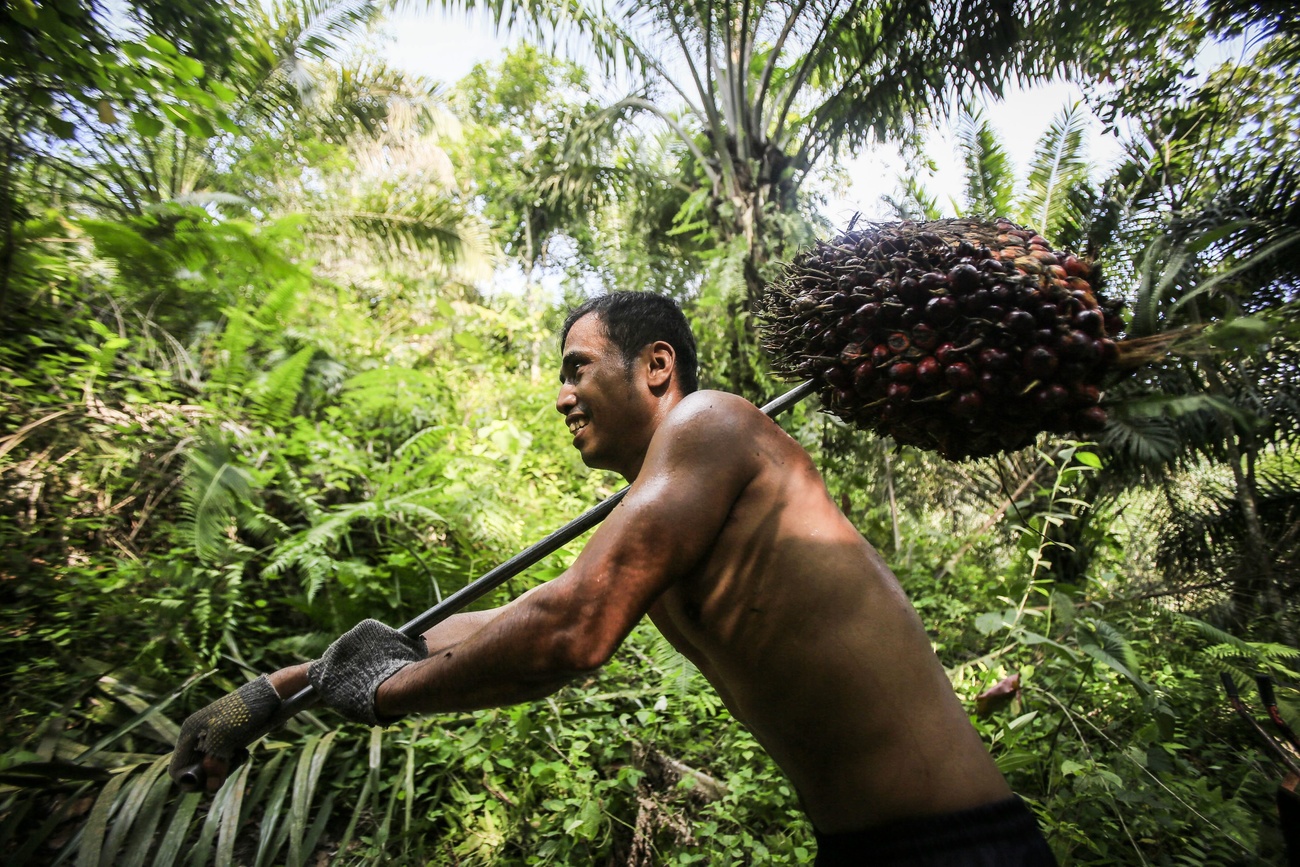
(1076, 267)
(994, 383)
(1090, 322)
(1073, 371)
(1020, 322)
(929, 371)
(899, 391)
(843, 397)
(977, 301)
(1076, 346)
(1045, 336)
(1090, 419)
(1085, 394)
(889, 314)
(933, 281)
(964, 277)
(959, 375)
(994, 313)
(1047, 314)
(912, 292)
(838, 377)
(967, 404)
(866, 314)
(1051, 397)
(994, 359)
(1107, 351)
(924, 336)
(902, 371)
(880, 354)
(898, 342)
(1040, 361)
(911, 316)
(941, 310)
(863, 376)
(947, 353)
(850, 354)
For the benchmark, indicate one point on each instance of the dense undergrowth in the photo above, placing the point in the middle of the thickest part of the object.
(257, 383)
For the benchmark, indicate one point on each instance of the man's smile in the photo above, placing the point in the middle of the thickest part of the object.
(576, 423)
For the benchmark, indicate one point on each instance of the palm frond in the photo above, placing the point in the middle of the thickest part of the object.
(1206, 536)
(989, 175)
(1059, 166)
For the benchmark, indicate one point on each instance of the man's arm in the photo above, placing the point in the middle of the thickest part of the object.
(663, 529)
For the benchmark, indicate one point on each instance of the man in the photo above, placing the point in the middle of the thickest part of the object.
(728, 539)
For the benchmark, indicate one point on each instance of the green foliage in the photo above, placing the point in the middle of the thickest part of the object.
(253, 388)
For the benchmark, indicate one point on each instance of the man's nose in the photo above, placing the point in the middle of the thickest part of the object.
(566, 400)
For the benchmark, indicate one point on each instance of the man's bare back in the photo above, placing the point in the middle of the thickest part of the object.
(804, 631)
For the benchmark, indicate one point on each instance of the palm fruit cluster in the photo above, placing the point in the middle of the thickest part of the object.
(959, 336)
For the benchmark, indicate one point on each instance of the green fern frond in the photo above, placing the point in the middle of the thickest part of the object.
(215, 492)
(277, 393)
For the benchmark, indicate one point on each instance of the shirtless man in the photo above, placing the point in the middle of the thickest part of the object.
(729, 541)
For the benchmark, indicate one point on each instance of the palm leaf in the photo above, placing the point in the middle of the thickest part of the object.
(989, 175)
(1059, 166)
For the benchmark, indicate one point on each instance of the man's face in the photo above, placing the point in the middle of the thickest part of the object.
(606, 406)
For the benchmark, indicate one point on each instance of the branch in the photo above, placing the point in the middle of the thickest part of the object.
(765, 80)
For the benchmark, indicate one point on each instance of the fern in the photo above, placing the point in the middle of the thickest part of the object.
(278, 391)
(311, 551)
(215, 492)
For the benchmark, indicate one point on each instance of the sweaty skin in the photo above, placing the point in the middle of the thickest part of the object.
(730, 542)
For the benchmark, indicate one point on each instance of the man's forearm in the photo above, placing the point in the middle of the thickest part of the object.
(513, 654)
(457, 628)
(289, 681)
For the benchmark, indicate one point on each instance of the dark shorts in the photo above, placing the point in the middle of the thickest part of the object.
(1002, 834)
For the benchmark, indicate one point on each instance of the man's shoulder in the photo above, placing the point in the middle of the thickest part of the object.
(713, 412)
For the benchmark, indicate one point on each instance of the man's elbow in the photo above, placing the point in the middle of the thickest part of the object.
(582, 651)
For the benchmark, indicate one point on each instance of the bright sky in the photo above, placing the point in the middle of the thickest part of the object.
(445, 47)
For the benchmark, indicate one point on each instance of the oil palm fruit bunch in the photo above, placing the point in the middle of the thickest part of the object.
(960, 336)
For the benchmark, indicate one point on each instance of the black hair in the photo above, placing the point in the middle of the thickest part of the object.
(633, 320)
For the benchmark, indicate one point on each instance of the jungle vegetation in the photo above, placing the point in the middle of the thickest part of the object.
(262, 374)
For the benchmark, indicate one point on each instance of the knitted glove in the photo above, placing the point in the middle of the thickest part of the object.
(225, 727)
(354, 666)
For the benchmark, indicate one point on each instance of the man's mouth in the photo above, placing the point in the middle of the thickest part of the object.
(576, 425)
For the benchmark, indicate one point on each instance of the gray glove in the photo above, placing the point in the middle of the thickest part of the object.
(354, 666)
(225, 727)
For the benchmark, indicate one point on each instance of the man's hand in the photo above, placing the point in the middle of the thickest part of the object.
(217, 735)
(353, 667)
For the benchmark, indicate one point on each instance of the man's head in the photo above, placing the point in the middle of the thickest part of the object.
(627, 359)
(633, 320)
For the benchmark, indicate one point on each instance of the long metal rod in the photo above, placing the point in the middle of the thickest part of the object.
(493, 579)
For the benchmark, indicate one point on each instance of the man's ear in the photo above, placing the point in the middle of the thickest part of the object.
(661, 364)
